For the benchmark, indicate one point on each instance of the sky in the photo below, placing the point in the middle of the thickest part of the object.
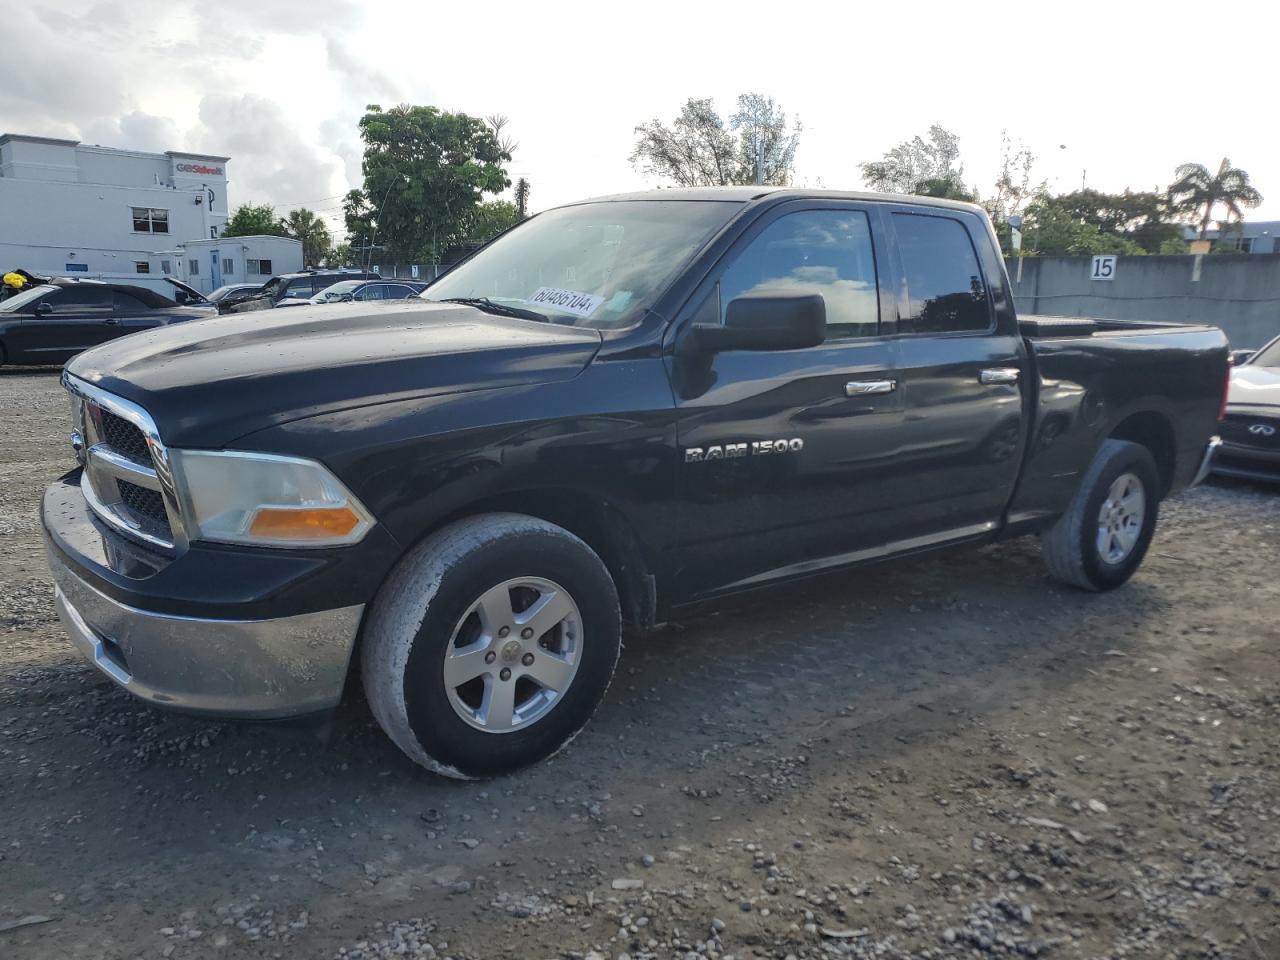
(1116, 94)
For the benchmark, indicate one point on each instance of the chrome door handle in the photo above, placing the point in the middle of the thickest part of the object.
(862, 388)
(999, 375)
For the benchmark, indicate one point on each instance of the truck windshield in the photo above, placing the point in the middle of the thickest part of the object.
(590, 265)
(1269, 356)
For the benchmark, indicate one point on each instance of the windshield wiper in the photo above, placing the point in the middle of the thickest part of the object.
(501, 309)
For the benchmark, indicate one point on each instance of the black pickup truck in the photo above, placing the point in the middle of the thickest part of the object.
(614, 410)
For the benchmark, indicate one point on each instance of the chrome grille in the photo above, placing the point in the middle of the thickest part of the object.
(123, 437)
(1249, 430)
(143, 502)
(126, 480)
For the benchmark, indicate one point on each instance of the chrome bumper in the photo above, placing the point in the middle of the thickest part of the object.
(1206, 462)
(238, 669)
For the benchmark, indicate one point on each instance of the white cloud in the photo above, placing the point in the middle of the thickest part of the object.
(280, 87)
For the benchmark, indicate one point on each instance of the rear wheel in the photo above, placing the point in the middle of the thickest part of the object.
(491, 645)
(1104, 535)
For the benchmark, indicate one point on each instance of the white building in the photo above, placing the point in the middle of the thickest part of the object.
(69, 209)
(208, 264)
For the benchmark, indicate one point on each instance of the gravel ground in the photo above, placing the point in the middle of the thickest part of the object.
(937, 759)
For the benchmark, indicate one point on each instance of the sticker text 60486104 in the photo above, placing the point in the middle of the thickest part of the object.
(568, 301)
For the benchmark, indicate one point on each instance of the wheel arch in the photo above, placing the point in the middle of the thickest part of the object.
(595, 522)
(1155, 432)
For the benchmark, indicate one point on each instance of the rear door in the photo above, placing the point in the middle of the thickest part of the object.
(132, 315)
(785, 453)
(961, 364)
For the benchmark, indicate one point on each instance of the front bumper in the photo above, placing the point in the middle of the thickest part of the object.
(1247, 463)
(238, 669)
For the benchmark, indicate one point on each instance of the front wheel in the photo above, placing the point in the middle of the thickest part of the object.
(1102, 538)
(491, 644)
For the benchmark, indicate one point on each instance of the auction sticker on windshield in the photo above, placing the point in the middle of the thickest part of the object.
(569, 301)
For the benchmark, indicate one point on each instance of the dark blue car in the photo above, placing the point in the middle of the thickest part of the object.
(51, 322)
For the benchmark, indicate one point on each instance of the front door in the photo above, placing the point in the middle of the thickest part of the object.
(65, 321)
(961, 365)
(786, 453)
(215, 270)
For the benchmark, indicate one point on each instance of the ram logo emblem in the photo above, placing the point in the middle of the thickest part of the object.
(735, 451)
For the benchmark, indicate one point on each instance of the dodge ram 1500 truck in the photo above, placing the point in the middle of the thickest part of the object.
(614, 410)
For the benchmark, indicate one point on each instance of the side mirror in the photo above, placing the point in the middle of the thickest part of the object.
(766, 323)
(43, 309)
(1241, 356)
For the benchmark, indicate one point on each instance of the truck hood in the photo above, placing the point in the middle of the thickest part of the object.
(1254, 386)
(208, 382)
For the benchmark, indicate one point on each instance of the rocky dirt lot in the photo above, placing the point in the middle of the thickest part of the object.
(937, 759)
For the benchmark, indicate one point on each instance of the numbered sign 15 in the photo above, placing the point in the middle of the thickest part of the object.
(1104, 268)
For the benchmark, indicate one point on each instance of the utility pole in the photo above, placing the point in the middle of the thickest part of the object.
(759, 158)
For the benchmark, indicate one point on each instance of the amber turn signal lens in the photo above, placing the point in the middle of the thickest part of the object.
(303, 523)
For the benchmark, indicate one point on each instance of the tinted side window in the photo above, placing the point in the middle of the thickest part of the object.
(127, 303)
(299, 289)
(944, 283)
(80, 301)
(827, 252)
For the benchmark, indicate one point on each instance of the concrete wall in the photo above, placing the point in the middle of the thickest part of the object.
(1239, 293)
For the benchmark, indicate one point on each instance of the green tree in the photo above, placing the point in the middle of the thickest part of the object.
(1196, 193)
(698, 150)
(490, 218)
(1052, 228)
(302, 224)
(522, 198)
(1015, 184)
(341, 255)
(357, 215)
(948, 188)
(1144, 218)
(253, 220)
(918, 160)
(766, 144)
(425, 172)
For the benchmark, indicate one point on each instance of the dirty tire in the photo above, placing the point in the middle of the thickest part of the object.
(1070, 547)
(411, 626)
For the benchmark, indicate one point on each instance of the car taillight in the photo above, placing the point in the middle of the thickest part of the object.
(1226, 392)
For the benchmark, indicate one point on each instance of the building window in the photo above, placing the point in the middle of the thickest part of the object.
(141, 266)
(166, 267)
(77, 268)
(150, 220)
(194, 268)
(258, 267)
(213, 233)
(228, 266)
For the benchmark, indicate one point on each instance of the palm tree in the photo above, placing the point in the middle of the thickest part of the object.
(304, 225)
(1197, 191)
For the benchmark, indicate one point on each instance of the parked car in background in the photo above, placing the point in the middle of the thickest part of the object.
(1251, 429)
(361, 290)
(468, 493)
(52, 322)
(290, 287)
(237, 290)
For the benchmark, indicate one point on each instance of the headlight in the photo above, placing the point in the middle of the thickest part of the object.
(265, 500)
